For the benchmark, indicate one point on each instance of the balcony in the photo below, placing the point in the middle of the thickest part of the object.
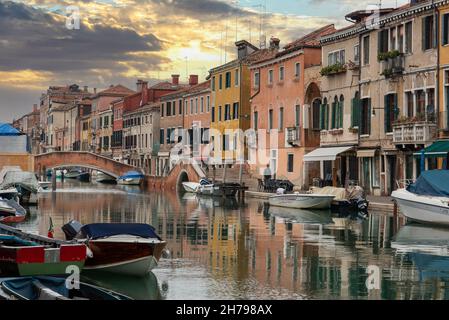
(294, 136)
(392, 64)
(418, 132)
(333, 70)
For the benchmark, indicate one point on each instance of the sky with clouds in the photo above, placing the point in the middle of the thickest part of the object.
(120, 41)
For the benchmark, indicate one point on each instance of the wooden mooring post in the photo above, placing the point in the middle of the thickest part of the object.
(53, 180)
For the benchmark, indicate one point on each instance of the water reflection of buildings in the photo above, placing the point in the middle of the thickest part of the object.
(254, 250)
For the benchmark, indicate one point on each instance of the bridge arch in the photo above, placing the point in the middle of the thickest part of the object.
(63, 159)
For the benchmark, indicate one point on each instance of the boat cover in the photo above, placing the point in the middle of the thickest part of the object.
(104, 230)
(339, 193)
(431, 183)
(25, 286)
(24, 179)
(132, 175)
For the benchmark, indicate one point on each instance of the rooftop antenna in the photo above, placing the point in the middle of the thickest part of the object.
(187, 67)
(236, 2)
(226, 42)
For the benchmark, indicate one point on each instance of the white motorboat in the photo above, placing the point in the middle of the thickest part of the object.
(427, 200)
(104, 178)
(302, 201)
(191, 187)
(424, 209)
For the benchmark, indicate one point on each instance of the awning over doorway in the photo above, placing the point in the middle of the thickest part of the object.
(325, 154)
(439, 148)
(366, 153)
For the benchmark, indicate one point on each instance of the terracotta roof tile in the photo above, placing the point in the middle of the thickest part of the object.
(312, 39)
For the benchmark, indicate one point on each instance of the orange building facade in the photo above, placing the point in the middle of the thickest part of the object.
(285, 100)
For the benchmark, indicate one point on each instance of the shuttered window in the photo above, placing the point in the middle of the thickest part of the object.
(391, 111)
(355, 113)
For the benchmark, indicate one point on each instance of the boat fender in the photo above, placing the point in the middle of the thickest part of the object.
(166, 253)
(89, 252)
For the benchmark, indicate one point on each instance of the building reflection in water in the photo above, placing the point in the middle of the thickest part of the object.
(253, 251)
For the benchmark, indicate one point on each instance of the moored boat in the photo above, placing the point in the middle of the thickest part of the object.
(84, 177)
(45, 185)
(124, 248)
(131, 178)
(72, 174)
(301, 201)
(104, 178)
(426, 200)
(24, 254)
(11, 211)
(191, 187)
(53, 288)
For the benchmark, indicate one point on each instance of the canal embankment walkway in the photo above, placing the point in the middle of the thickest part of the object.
(376, 203)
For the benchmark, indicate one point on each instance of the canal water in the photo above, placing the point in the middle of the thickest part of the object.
(222, 250)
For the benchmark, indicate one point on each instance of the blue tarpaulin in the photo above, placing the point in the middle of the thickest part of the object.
(103, 230)
(431, 183)
(8, 130)
(132, 175)
(25, 286)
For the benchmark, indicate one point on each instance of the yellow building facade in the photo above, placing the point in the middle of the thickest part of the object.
(230, 86)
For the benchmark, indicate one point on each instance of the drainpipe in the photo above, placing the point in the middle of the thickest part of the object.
(437, 87)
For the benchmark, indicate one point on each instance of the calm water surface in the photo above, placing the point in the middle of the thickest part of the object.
(220, 250)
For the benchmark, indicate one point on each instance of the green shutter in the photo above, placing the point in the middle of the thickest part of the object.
(387, 112)
(369, 116)
(334, 106)
(322, 117)
(396, 107)
(326, 116)
(341, 113)
(353, 104)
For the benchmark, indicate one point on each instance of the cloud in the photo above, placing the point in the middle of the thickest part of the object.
(33, 39)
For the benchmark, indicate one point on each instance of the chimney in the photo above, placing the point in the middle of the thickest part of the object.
(175, 79)
(139, 85)
(193, 80)
(274, 43)
(95, 90)
(35, 107)
(85, 88)
(244, 48)
(144, 90)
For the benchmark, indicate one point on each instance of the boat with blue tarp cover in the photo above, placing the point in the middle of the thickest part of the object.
(426, 200)
(131, 178)
(124, 248)
(53, 288)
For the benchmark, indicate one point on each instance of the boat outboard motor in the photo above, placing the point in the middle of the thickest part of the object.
(71, 229)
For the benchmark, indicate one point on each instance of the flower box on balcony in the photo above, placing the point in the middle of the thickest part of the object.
(333, 69)
(336, 131)
(354, 129)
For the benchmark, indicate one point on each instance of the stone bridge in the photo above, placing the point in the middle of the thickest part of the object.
(67, 159)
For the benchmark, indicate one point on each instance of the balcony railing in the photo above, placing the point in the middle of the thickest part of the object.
(420, 132)
(294, 136)
(393, 66)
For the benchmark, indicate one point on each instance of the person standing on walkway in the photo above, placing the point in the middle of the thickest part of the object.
(267, 173)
